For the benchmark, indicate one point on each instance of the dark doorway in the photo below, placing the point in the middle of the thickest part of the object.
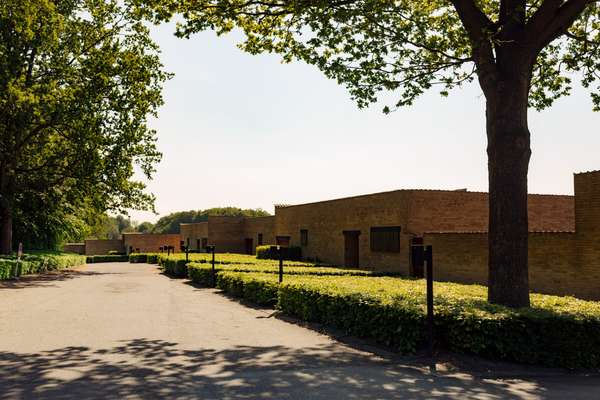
(283, 241)
(249, 244)
(204, 243)
(351, 254)
(417, 259)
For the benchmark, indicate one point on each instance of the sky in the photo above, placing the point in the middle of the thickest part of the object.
(248, 131)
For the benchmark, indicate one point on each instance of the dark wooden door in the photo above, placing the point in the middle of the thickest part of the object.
(351, 254)
(283, 241)
(417, 257)
(249, 244)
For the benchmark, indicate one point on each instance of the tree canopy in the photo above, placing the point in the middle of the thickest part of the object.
(170, 223)
(407, 46)
(78, 80)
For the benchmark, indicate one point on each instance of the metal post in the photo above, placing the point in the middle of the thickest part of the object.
(187, 259)
(214, 277)
(429, 261)
(280, 248)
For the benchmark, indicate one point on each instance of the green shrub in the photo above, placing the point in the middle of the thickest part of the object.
(269, 252)
(555, 331)
(273, 268)
(107, 258)
(34, 263)
(136, 258)
(175, 267)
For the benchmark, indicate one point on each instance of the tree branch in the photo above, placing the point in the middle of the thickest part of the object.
(479, 29)
(553, 19)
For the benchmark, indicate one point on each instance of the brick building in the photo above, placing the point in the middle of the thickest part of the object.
(562, 260)
(129, 242)
(376, 231)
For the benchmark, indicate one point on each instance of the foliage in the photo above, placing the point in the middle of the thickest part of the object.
(107, 258)
(409, 47)
(555, 331)
(148, 258)
(273, 268)
(38, 262)
(170, 223)
(78, 79)
(145, 227)
(270, 252)
(176, 267)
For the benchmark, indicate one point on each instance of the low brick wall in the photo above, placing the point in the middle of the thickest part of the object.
(78, 248)
(150, 243)
(553, 269)
(95, 247)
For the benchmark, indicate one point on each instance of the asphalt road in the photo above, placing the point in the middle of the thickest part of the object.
(114, 331)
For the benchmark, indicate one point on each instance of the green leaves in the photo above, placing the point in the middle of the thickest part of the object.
(78, 79)
(405, 47)
(556, 331)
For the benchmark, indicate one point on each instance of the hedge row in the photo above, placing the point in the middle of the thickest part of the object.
(36, 263)
(556, 331)
(270, 252)
(175, 267)
(231, 258)
(147, 258)
(107, 258)
(287, 270)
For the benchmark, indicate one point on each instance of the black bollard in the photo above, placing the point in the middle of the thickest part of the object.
(280, 264)
(429, 261)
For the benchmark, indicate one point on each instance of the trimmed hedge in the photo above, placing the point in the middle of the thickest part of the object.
(232, 258)
(175, 267)
(269, 252)
(38, 262)
(148, 258)
(106, 258)
(273, 268)
(555, 331)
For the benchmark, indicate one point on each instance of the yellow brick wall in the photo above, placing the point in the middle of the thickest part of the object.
(226, 234)
(263, 225)
(326, 221)
(587, 220)
(193, 234)
(150, 242)
(553, 265)
(95, 247)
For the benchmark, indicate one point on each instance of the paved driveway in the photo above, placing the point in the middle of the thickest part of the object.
(114, 331)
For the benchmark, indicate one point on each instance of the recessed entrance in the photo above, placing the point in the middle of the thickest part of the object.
(417, 260)
(351, 254)
(249, 244)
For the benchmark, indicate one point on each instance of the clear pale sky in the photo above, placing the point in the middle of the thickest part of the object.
(249, 131)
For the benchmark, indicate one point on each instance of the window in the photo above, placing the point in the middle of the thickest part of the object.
(303, 237)
(385, 239)
(198, 244)
(204, 242)
(260, 239)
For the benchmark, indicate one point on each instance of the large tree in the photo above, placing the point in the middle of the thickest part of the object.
(78, 79)
(523, 54)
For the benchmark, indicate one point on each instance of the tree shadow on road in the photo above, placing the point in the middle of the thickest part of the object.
(145, 368)
(46, 279)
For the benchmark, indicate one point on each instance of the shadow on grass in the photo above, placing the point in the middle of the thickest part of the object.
(45, 279)
(143, 368)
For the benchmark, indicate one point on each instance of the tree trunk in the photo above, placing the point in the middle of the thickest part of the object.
(508, 163)
(5, 227)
